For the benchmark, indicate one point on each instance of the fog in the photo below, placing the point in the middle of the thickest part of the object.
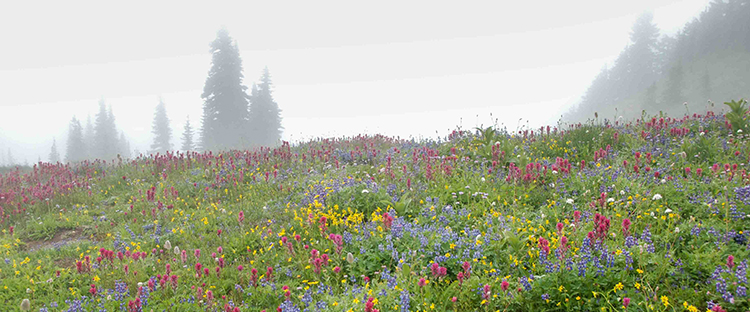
(415, 69)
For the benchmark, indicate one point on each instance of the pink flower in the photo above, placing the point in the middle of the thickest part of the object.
(730, 261)
(240, 268)
(504, 285)
(625, 302)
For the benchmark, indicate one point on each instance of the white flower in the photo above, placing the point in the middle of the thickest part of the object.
(739, 130)
(614, 235)
(365, 191)
(25, 305)
(610, 200)
(554, 171)
(167, 245)
(663, 181)
(569, 201)
(677, 230)
(483, 179)
(656, 197)
(177, 250)
(622, 192)
(667, 210)
(478, 237)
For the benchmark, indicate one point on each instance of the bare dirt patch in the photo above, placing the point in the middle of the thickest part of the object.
(61, 238)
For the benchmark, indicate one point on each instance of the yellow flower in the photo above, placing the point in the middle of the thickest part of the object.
(619, 286)
(665, 301)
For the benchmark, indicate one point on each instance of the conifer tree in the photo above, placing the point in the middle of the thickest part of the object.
(706, 86)
(225, 99)
(10, 161)
(187, 137)
(105, 134)
(54, 156)
(161, 130)
(264, 115)
(673, 92)
(123, 146)
(75, 149)
(88, 138)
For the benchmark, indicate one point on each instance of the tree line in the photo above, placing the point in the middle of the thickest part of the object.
(232, 117)
(708, 57)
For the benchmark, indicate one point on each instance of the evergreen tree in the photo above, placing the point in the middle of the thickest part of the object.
(105, 134)
(54, 156)
(75, 150)
(643, 53)
(10, 160)
(112, 130)
(225, 99)
(88, 138)
(123, 146)
(673, 92)
(187, 137)
(649, 100)
(264, 115)
(161, 130)
(706, 86)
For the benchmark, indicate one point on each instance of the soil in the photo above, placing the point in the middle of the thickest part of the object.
(61, 238)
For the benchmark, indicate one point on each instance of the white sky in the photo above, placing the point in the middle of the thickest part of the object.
(339, 68)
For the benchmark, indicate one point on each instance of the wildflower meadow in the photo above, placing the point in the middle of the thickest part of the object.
(643, 215)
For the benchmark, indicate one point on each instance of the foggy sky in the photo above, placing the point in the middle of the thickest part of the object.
(339, 68)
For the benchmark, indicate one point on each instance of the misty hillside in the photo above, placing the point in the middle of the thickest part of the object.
(707, 60)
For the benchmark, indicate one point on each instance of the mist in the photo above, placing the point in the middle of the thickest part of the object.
(414, 70)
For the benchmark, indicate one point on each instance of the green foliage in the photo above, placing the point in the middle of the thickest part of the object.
(737, 115)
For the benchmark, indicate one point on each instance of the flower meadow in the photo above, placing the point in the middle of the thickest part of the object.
(648, 215)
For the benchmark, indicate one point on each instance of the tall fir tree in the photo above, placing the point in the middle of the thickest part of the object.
(264, 114)
(112, 130)
(187, 137)
(643, 65)
(88, 138)
(105, 134)
(161, 130)
(673, 93)
(123, 146)
(75, 149)
(10, 161)
(54, 156)
(225, 98)
(706, 86)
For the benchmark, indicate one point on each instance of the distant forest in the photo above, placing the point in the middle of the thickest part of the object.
(708, 60)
